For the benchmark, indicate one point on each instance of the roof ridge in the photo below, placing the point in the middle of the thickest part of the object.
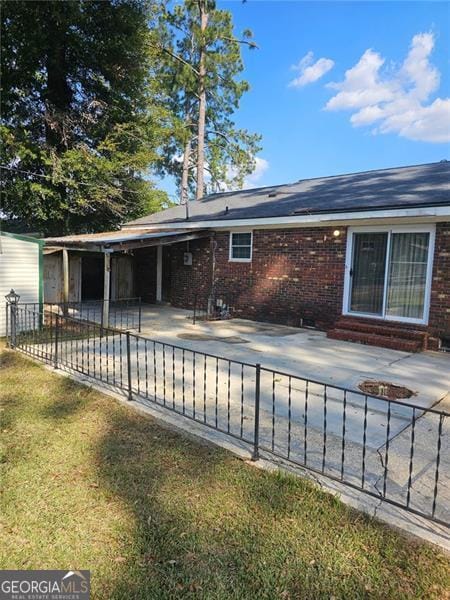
(266, 187)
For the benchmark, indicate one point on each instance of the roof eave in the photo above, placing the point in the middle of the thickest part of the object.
(319, 217)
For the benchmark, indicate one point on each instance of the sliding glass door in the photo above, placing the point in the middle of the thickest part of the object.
(390, 273)
(407, 275)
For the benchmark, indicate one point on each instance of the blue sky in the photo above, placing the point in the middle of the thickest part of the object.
(397, 97)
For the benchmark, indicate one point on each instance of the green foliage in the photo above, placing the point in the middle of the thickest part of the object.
(80, 117)
(229, 151)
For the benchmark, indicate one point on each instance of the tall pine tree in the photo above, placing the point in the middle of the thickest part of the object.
(201, 72)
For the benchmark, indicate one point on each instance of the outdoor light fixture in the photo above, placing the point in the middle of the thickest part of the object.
(12, 297)
(336, 233)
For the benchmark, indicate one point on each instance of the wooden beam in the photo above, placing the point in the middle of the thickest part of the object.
(159, 253)
(65, 265)
(106, 288)
(162, 241)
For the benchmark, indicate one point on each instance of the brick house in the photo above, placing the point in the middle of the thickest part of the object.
(365, 256)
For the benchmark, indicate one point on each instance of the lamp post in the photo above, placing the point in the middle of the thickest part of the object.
(12, 300)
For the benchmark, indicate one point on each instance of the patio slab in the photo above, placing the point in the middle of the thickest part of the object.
(304, 352)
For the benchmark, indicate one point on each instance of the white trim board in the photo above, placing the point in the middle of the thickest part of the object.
(432, 214)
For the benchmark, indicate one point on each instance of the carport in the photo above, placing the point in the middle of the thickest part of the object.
(99, 266)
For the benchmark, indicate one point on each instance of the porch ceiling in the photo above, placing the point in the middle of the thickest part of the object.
(117, 241)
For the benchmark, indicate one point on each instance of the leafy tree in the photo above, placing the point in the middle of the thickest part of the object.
(81, 123)
(201, 68)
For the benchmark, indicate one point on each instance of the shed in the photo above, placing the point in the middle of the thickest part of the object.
(21, 269)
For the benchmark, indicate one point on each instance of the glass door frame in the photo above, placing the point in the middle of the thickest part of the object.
(390, 229)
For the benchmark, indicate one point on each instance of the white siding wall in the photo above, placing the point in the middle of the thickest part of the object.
(19, 269)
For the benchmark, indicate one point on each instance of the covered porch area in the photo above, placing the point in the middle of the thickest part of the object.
(109, 269)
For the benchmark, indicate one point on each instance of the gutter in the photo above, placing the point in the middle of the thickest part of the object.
(441, 213)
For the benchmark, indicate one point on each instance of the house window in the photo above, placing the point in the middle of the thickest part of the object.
(241, 246)
(389, 272)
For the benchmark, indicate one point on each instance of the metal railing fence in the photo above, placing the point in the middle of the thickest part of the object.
(392, 450)
(124, 313)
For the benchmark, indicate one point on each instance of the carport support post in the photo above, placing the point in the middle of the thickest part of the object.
(255, 454)
(65, 263)
(106, 287)
(159, 253)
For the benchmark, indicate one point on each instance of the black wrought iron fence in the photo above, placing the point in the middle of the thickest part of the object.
(123, 313)
(394, 451)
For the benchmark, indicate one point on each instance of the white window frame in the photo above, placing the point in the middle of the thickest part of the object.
(390, 229)
(230, 252)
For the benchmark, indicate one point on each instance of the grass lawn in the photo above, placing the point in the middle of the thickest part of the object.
(91, 484)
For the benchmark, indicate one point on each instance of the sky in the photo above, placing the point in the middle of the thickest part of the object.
(339, 87)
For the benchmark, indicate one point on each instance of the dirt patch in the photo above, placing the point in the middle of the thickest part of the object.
(384, 389)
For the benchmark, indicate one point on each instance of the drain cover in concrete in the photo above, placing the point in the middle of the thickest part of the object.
(384, 389)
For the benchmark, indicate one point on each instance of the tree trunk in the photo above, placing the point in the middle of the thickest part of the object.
(184, 188)
(201, 106)
(58, 95)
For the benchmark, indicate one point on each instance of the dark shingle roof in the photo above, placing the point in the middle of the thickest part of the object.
(402, 187)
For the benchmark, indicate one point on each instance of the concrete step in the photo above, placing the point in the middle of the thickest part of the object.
(374, 339)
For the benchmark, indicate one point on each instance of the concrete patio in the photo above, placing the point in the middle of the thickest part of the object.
(303, 352)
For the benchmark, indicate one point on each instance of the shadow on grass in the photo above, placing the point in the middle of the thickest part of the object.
(208, 526)
(204, 525)
(72, 398)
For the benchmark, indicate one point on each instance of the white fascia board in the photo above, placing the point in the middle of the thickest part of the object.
(432, 214)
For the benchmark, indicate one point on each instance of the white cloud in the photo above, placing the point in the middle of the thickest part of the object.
(261, 166)
(397, 101)
(310, 71)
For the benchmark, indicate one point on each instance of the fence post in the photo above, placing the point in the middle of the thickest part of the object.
(255, 454)
(55, 353)
(7, 325)
(140, 314)
(130, 393)
(13, 308)
(101, 320)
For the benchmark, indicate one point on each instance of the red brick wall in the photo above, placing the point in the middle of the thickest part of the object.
(189, 282)
(440, 290)
(294, 274)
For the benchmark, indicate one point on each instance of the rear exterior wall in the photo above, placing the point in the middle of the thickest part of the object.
(296, 276)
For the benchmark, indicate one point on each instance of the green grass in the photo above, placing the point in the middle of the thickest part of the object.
(91, 484)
